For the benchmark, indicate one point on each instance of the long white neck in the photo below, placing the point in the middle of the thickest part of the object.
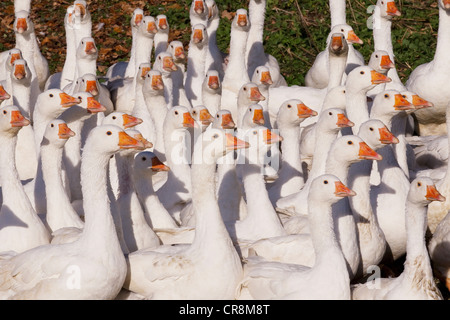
(322, 146)
(338, 168)
(211, 100)
(83, 29)
(255, 48)
(356, 108)
(291, 165)
(22, 5)
(236, 64)
(156, 106)
(26, 42)
(84, 66)
(195, 73)
(336, 69)
(441, 60)
(68, 71)
(21, 93)
(337, 11)
(60, 212)
(40, 121)
(213, 60)
(161, 42)
(144, 49)
(131, 66)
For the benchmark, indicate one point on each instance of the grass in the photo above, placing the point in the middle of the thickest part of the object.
(295, 30)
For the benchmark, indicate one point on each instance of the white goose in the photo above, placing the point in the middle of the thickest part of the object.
(409, 286)
(212, 91)
(100, 92)
(162, 36)
(328, 277)
(20, 5)
(164, 63)
(211, 261)
(176, 49)
(44, 272)
(214, 57)
(198, 12)
(427, 77)
(261, 76)
(21, 228)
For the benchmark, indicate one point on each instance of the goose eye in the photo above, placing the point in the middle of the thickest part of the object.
(343, 91)
(194, 112)
(362, 72)
(144, 158)
(330, 113)
(386, 96)
(83, 80)
(79, 97)
(255, 132)
(218, 116)
(114, 117)
(371, 129)
(257, 71)
(108, 133)
(404, 96)
(52, 125)
(376, 56)
(215, 136)
(4, 112)
(349, 142)
(50, 95)
(245, 88)
(419, 184)
(342, 30)
(250, 110)
(176, 113)
(289, 106)
(325, 182)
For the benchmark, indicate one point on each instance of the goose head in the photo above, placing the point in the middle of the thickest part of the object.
(57, 133)
(422, 191)
(212, 83)
(202, 116)
(109, 139)
(375, 133)
(20, 72)
(142, 70)
(261, 140)
(148, 27)
(249, 94)
(292, 113)
(153, 84)
(162, 23)
(164, 63)
(87, 49)
(351, 149)
(199, 10)
(213, 9)
(444, 4)
(148, 162)
(327, 188)
(199, 35)
(390, 102)
(136, 18)
(178, 117)
(3, 94)
(87, 105)
(214, 144)
(241, 21)
(223, 120)
(348, 33)
(417, 101)
(88, 83)
(176, 48)
(332, 120)
(121, 119)
(388, 9)
(53, 102)
(380, 61)
(136, 134)
(254, 117)
(261, 76)
(364, 78)
(338, 45)
(69, 17)
(80, 9)
(13, 55)
(22, 23)
(12, 120)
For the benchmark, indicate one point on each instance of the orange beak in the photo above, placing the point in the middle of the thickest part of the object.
(64, 131)
(81, 8)
(419, 102)
(386, 62)
(21, 25)
(68, 101)
(90, 48)
(386, 137)
(336, 43)
(147, 144)
(255, 95)
(157, 165)
(353, 38)
(401, 103)
(130, 121)
(266, 78)
(179, 53)
(213, 82)
(242, 20)
(343, 121)
(18, 120)
(367, 153)
(227, 122)
(378, 78)
(198, 7)
(258, 117)
(188, 121)
(151, 27)
(392, 9)
(433, 194)
(304, 112)
(91, 87)
(342, 191)
(446, 4)
(205, 117)
(168, 64)
(14, 57)
(157, 82)
(138, 19)
(3, 94)
(198, 36)
(233, 143)
(270, 137)
(163, 24)
(19, 71)
(144, 71)
(93, 106)
(128, 142)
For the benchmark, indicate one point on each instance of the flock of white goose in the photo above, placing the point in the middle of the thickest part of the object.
(201, 174)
